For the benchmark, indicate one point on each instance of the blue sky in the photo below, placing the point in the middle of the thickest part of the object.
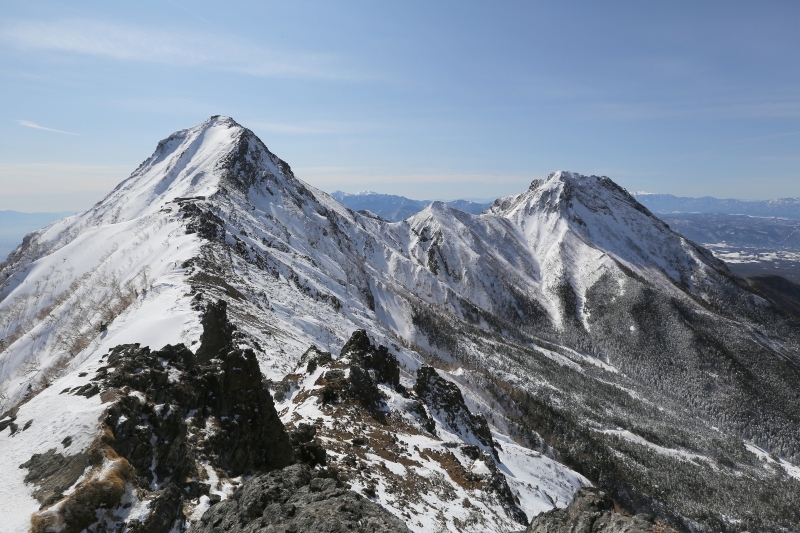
(425, 99)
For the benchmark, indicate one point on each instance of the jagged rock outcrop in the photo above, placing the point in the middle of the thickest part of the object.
(306, 449)
(217, 331)
(174, 420)
(377, 360)
(367, 365)
(295, 500)
(446, 402)
(237, 427)
(592, 511)
(372, 419)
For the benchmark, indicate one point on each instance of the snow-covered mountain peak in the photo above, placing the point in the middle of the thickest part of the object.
(595, 224)
(185, 164)
(512, 306)
(194, 163)
(561, 189)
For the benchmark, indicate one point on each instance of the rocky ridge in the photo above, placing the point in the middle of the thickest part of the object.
(408, 443)
(180, 432)
(580, 326)
(291, 500)
(593, 511)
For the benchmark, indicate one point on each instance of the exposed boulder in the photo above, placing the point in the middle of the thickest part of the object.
(93, 499)
(7, 420)
(377, 360)
(306, 449)
(363, 387)
(592, 511)
(292, 499)
(54, 473)
(313, 357)
(369, 365)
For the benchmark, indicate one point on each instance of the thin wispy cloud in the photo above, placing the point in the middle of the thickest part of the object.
(29, 124)
(131, 43)
(192, 13)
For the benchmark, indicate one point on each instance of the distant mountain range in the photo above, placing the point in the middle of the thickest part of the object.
(14, 225)
(667, 203)
(752, 237)
(395, 208)
(749, 245)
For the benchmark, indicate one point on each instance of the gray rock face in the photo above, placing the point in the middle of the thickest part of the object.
(369, 366)
(592, 511)
(54, 473)
(293, 500)
(446, 402)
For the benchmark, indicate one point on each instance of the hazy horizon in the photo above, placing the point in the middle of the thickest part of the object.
(417, 99)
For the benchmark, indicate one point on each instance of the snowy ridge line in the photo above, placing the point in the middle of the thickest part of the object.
(525, 294)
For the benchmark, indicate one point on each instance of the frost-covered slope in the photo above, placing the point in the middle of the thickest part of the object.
(569, 316)
(14, 225)
(63, 291)
(581, 227)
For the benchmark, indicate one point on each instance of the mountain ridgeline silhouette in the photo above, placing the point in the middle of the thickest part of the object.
(564, 337)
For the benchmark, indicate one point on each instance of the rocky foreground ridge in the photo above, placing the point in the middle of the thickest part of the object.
(175, 423)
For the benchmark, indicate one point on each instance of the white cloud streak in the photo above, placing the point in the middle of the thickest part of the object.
(130, 43)
(29, 124)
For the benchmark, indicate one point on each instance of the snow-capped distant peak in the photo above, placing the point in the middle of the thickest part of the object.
(561, 189)
(185, 164)
(596, 219)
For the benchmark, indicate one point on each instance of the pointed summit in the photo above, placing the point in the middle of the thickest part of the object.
(198, 162)
(560, 189)
(571, 211)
